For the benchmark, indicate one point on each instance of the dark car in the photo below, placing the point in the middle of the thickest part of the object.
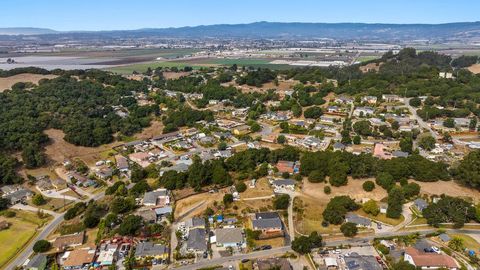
(265, 247)
(428, 250)
(205, 255)
(245, 260)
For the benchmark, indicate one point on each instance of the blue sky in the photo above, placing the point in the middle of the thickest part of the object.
(134, 14)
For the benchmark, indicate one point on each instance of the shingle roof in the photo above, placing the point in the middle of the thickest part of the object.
(150, 249)
(266, 215)
(196, 239)
(284, 182)
(430, 259)
(354, 218)
(229, 235)
(267, 223)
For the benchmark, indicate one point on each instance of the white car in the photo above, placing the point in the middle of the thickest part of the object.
(436, 249)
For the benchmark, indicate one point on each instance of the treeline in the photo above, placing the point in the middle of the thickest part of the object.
(82, 108)
(406, 73)
(338, 165)
(257, 77)
(184, 116)
(8, 174)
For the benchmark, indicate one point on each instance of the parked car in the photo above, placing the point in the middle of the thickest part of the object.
(265, 247)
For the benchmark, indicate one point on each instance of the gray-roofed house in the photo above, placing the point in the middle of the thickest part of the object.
(37, 262)
(229, 237)
(420, 204)
(284, 184)
(151, 250)
(338, 146)
(399, 154)
(359, 262)
(18, 195)
(269, 223)
(197, 240)
(161, 212)
(358, 220)
(159, 197)
(195, 222)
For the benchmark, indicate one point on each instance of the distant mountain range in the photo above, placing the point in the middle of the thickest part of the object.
(275, 30)
(26, 31)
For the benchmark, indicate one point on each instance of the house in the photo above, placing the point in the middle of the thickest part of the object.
(344, 100)
(363, 111)
(269, 223)
(369, 99)
(429, 260)
(122, 163)
(141, 158)
(358, 220)
(333, 109)
(287, 166)
(420, 204)
(104, 173)
(391, 98)
(70, 240)
(284, 184)
(398, 154)
(37, 262)
(159, 197)
(445, 75)
(163, 212)
(18, 195)
(330, 263)
(379, 151)
(354, 261)
(383, 208)
(229, 237)
(338, 146)
(273, 263)
(241, 130)
(151, 250)
(77, 259)
(310, 142)
(197, 240)
(44, 184)
(108, 255)
(195, 223)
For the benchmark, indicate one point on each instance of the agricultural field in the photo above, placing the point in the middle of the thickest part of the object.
(22, 228)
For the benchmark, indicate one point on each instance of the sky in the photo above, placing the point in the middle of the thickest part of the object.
(68, 15)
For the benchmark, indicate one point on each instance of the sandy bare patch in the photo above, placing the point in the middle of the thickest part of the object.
(353, 189)
(474, 68)
(155, 128)
(8, 82)
(184, 205)
(175, 75)
(450, 188)
(58, 149)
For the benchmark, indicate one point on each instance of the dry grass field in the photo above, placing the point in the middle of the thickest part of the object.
(474, 68)
(58, 150)
(6, 83)
(262, 188)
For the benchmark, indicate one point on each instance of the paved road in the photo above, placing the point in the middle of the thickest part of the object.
(420, 121)
(47, 230)
(235, 258)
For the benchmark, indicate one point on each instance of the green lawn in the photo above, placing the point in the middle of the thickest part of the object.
(22, 228)
(468, 241)
(142, 67)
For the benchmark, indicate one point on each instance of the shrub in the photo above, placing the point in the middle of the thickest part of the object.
(281, 202)
(327, 189)
(349, 229)
(41, 246)
(368, 186)
(241, 187)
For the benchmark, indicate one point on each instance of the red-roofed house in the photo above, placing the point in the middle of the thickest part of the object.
(429, 260)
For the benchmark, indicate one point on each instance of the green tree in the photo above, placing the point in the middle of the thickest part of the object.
(240, 187)
(349, 229)
(281, 201)
(473, 123)
(468, 172)
(449, 123)
(255, 127)
(32, 156)
(427, 142)
(368, 186)
(130, 225)
(385, 180)
(316, 176)
(38, 199)
(357, 139)
(415, 102)
(336, 209)
(395, 202)
(406, 145)
(456, 243)
(41, 246)
(281, 139)
(227, 199)
(371, 207)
